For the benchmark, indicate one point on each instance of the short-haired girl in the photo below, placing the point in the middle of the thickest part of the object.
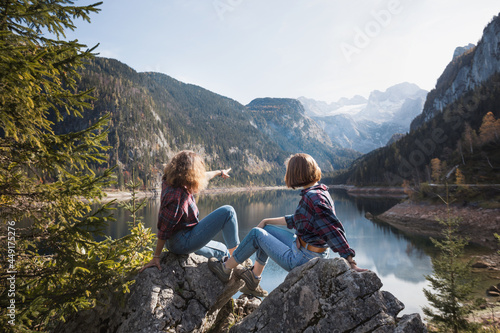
(178, 226)
(316, 228)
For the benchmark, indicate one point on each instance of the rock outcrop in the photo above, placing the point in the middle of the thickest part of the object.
(324, 295)
(185, 296)
(321, 296)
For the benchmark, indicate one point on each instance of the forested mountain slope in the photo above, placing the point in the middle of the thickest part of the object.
(284, 121)
(153, 116)
(462, 144)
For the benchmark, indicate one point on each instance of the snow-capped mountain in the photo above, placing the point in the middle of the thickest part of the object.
(344, 105)
(404, 99)
(366, 124)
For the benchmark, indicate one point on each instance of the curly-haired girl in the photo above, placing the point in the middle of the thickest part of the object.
(178, 226)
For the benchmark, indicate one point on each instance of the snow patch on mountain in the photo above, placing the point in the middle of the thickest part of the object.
(366, 124)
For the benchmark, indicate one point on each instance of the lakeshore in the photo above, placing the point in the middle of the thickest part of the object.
(390, 192)
(126, 195)
(478, 224)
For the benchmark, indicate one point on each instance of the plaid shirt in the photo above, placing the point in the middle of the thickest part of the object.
(316, 222)
(178, 211)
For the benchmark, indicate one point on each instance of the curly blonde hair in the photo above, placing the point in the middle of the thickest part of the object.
(186, 169)
(301, 170)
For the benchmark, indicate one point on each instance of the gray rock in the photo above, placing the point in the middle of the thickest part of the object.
(320, 296)
(410, 323)
(185, 296)
(324, 295)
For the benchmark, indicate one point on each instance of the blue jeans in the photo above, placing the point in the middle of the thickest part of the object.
(277, 243)
(198, 239)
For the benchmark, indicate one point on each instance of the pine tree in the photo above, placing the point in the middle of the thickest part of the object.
(452, 282)
(47, 185)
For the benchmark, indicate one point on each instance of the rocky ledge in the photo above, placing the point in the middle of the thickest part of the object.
(323, 295)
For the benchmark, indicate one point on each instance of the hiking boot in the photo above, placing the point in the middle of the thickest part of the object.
(251, 282)
(218, 268)
(259, 292)
(247, 264)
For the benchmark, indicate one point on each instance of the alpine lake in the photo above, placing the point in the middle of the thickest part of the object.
(400, 260)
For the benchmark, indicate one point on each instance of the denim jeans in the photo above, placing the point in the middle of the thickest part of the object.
(277, 243)
(198, 239)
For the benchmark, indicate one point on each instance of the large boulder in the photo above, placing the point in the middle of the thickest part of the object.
(324, 295)
(185, 296)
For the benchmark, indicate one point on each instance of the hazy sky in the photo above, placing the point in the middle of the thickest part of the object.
(321, 49)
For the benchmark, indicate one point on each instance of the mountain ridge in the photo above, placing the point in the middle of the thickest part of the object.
(284, 120)
(468, 70)
(461, 138)
(152, 116)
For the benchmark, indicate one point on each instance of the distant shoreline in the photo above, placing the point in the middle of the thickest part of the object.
(420, 218)
(220, 190)
(118, 195)
(127, 195)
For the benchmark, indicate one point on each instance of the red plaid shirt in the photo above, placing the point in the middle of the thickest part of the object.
(316, 222)
(178, 211)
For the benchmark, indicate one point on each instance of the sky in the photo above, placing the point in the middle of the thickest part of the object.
(320, 49)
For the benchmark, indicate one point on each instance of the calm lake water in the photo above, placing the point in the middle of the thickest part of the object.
(400, 261)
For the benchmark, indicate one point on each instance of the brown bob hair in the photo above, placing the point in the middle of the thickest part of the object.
(301, 170)
(186, 169)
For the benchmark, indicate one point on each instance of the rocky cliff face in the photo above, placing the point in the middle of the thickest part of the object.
(320, 296)
(462, 49)
(466, 71)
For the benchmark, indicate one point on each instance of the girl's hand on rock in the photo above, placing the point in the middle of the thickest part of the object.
(356, 268)
(153, 262)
